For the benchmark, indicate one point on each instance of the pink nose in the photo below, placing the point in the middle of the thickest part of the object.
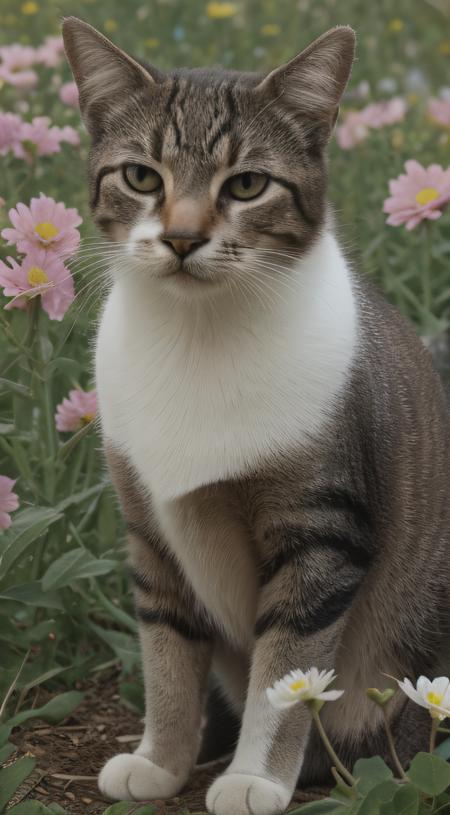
(183, 246)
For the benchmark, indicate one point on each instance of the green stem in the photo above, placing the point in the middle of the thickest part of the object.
(434, 730)
(392, 748)
(426, 270)
(328, 747)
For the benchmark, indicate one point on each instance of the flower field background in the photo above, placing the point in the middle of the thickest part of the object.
(65, 606)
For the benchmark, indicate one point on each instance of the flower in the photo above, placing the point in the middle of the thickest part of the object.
(439, 110)
(421, 193)
(68, 93)
(10, 134)
(299, 686)
(50, 53)
(357, 123)
(218, 11)
(45, 139)
(111, 25)
(353, 130)
(270, 30)
(433, 695)
(30, 7)
(44, 224)
(396, 25)
(42, 274)
(15, 65)
(9, 501)
(78, 409)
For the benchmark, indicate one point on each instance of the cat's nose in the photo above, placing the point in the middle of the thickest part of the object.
(183, 246)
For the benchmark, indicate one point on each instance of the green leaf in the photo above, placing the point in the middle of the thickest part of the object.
(443, 750)
(26, 528)
(325, 806)
(32, 594)
(12, 777)
(77, 564)
(124, 646)
(79, 497)
(381, 794)
(36, 808)
(430, 773)
(14, 387)
(370, 772)
(53, 712)
(5, 732)
(6, 751)
(406, 800)
(121, 808)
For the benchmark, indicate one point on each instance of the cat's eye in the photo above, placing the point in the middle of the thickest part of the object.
(246, 186)
(142, 178)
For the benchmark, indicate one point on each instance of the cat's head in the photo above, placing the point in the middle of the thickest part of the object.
(204, 175)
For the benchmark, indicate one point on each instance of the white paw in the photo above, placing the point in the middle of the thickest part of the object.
(128, 777)
(243, 794)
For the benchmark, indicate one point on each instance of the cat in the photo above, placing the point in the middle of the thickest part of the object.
(274, 428)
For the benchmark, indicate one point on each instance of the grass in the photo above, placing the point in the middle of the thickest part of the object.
(65, 607)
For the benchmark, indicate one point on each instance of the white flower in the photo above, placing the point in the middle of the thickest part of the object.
(434, 695)
(299, 686)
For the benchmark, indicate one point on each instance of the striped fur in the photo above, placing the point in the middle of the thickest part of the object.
(275, 431)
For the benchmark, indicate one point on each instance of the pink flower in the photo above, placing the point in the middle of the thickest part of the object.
(381, 114)
(9, 501)
(75, 411)
(10, 134)
(51, 52)
(357, 123)
(44, 224)
(352, 131)
(421, 193)
(46, 139)
(439, 110)
(15, 65)
(68, 94)
(42, 274)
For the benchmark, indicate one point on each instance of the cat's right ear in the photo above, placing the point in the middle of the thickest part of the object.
(103, 72)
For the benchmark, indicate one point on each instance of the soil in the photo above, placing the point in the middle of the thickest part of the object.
(70, 755)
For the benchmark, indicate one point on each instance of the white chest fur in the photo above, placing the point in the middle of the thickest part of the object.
(194, 392)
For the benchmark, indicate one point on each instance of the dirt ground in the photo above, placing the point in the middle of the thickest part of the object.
(70, 755)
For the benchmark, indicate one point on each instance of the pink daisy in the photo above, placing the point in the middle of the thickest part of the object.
(352, 131)
(439, 110)
(381, 114)
(10, 134)
(51, 51)
(68, 93)
(42, 274)
(9, 501)
(44, 224)
(15, 65)
(76, 410)
(421, 193)
(46, 139)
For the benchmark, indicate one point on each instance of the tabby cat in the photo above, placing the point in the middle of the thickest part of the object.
(275, 430)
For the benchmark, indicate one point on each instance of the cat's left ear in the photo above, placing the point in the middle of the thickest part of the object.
(312, 83)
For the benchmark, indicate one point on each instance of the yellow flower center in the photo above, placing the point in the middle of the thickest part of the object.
(46, 230)
(434, 698)
(88, 417)
(36, 276)
(298, 684)
(427, 195)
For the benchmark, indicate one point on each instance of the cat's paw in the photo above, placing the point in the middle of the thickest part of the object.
(128, 777)
(243, 794)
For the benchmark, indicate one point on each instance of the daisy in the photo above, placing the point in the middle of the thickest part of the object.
(421, 193)
(431, 694)
(439, 110)
(45, 224)
(40, 274)
(78, 409)
(300, 686)
(68, 93)
(9, 501)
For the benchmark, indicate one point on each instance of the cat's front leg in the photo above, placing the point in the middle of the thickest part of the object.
(176, 652)
(303, 606)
